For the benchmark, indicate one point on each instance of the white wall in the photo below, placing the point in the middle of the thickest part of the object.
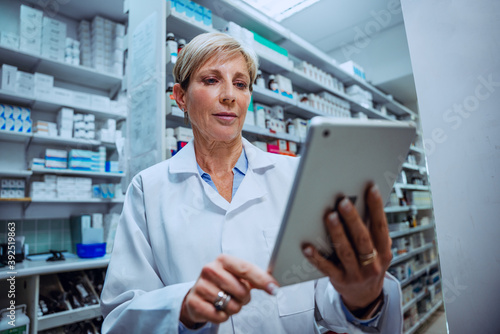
(384, 56)
(455, 54)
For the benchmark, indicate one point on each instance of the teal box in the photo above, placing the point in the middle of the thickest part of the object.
(198, 12)
(190, 8)
(207, 17)
(180, 6)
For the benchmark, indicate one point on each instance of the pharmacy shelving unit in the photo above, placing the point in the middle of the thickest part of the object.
(78, 78)
(28, 283)
(20, 147)
(246, 16)
(48, 105)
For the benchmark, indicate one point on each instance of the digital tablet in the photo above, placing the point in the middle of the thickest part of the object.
(340, 158)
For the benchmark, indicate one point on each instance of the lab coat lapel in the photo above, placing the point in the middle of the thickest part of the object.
(185, 162)
(252, 187)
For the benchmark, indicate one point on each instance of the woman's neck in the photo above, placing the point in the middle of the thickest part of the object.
(215, 157)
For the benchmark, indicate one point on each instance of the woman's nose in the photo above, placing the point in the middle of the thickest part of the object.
(227, 94)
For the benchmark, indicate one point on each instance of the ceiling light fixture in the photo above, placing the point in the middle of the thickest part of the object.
(280, 9)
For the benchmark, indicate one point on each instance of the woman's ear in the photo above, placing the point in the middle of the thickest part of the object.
(180, 96)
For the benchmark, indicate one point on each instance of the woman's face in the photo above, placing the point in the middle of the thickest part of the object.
(217, 99)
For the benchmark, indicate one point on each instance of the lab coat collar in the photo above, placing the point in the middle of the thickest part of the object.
(185, 160)
(257, 159)
(250, 189)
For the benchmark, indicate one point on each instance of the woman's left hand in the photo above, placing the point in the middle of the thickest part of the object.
(359, 275)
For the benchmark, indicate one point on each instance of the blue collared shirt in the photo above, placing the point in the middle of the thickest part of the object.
(239, 171)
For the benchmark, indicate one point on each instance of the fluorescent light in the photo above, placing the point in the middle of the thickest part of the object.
(280, 9)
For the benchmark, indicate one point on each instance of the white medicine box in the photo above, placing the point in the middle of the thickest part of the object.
(9, 40)
(8, 77)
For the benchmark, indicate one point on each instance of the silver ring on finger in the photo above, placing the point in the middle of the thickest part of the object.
(222, 300)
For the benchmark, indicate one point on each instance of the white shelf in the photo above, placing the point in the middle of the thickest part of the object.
(300, 79)
(89, 200)
(415, 300)
(10, 136)
(418, 273)
(423, 319)
(268, 64)
(397, 234)
(404, 257)
(267, 96)
(14, 137)
(182, 27)
(41, 104)
(42, 139)
(60, 201)
(417, 149)
(60, 70)
(412, 186)
(305, 111)
(42, 267)
(68, 317)
(75, 172)
(113, 9)
(15, 173)
(396, 209)
(252, 129)
(407, 165)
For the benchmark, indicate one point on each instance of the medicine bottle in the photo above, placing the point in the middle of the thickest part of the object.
(171, 46)
(170, 94)
(182, 44)
(259, 81)
(170, 142)
(290, 127)
(272, 84)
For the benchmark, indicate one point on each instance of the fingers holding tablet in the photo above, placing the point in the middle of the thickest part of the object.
(378, 226)
(358, 276)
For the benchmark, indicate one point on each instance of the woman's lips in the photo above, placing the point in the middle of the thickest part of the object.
(225, 116)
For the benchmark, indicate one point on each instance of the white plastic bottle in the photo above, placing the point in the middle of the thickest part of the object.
(259, 81)
(272, 84)
(22, 323)
(171, 46)
(170, 142)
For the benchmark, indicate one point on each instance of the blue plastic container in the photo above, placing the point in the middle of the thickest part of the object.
(91, 250)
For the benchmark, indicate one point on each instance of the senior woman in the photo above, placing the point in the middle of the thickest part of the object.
(197, 230)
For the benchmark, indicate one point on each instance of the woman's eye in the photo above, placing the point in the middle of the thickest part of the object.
(210, 81)
(241, 85)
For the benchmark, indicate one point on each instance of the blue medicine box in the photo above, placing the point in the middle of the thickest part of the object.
(87, 251)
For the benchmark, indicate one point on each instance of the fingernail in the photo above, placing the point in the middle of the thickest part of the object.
(308, 251)
(375, 191)
(272, 288)
(345, 204)
(333, 218)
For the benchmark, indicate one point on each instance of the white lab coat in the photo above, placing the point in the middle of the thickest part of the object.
(173, 223)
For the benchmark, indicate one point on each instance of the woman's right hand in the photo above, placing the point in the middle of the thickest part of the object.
(230, 275)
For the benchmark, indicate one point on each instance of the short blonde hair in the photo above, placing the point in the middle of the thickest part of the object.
(207, 46)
